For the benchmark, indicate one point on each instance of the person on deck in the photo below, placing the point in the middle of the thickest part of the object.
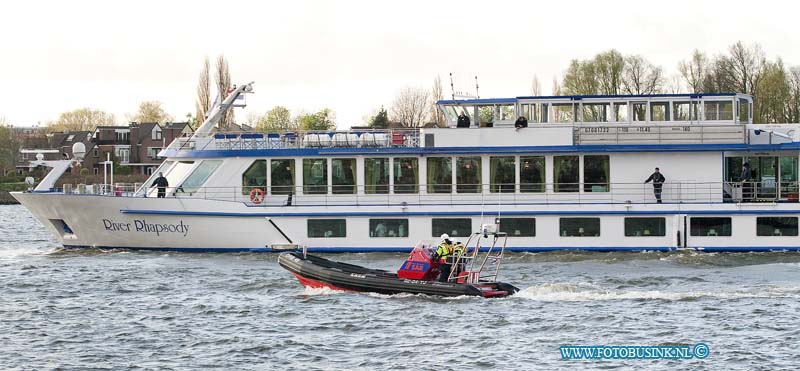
(747, 186)
(162, 185)
(658, 181)
(444, 250)
(522, 122)
(463, 120)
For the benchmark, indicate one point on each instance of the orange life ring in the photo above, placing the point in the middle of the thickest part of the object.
(257, 196)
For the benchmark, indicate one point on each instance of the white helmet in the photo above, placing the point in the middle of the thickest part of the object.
(445, 237)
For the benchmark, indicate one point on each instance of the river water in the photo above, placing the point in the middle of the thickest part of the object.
(91, 309)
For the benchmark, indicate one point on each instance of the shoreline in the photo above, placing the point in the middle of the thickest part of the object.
(7, 199)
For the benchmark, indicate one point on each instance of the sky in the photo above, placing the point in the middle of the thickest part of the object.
(350, 56)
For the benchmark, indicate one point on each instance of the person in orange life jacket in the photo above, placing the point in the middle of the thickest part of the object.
(444, 250)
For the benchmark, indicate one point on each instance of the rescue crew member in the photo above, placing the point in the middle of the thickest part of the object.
(444, 250)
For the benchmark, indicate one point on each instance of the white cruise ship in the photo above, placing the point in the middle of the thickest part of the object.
(574, 178)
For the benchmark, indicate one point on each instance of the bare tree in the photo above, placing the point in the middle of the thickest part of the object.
(203, 103)
(675, 85)
(151, 111)
(82, 119)
(793, 106)
(641, 77)
(746, 64)
(411, 107)
(694, 71)
(223, 80)
(608, 67)
(437, 94)
(556, 88)
(536, 86)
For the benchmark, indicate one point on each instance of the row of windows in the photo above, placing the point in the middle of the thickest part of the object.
(405, 173)
(568, 227)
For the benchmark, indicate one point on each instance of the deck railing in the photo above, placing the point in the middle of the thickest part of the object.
(467, 194)
(366, 138)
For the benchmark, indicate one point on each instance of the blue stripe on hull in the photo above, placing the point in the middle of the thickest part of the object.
(403, 249)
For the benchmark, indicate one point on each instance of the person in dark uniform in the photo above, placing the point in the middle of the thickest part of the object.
(747, 185)
(463, 120)
(162, 185)
(522, 122)
(658, 181)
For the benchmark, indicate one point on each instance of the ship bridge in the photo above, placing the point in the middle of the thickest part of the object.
(600, 120)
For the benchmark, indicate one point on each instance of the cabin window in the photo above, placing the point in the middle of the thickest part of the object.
(721, 110)
(282, 174)
(376, 175)
(486, 114)
(531, 112)
(343, 174)
(388, 227)
(579, 227)
(684, 111)
(255, 177)
(639, 111)
(744, 110)
(543, 114)
(440, 175)
(506, 112)
(327, 228)
(406, 175)
(199, 176)
(620, 112)
(563, 112)
(645, 227)
(468, 175)
(531, 174)
(315, 176)
(659, 111)
(453, 227)
(710, 227)
(596, 112)
(776, 226)
(565, 173)
(518, 227)
(596, 173)
(501, 174)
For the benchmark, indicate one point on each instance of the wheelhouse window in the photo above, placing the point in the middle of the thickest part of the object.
(645, 227)
(563, 113)
(406, 175)
(639, 111)
(744, 110)
(376, 175)
(440, 175)
(596, 112)
(282, 174)
(596, 173)
(468, 175)
(486, 115)
(199, 176)
(776, 226)
(659, 111)
(685, 111)
(461, 227)
(721, 110)
(315, 176)
(565, 173)
(388, 227)
(327, 228)
(620, 112)
(531, 174)
(579, 227)
(501, 174)
(506, 112)
(255, 177)
(710, 227)
(518, 227)
(343, 174)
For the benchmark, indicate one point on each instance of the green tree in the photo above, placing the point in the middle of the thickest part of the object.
(774, 94)
(608, 69)
(641, 77)
(694, 71)
(9, 147)
(277, 119)
(324, 119)
(86, 119)
(580, 78)
(151, 111)
(380, 120)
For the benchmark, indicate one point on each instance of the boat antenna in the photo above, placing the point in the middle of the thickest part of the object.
(452, 89)
(477, 94)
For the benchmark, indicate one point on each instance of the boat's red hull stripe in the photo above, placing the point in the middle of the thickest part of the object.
(314, 284)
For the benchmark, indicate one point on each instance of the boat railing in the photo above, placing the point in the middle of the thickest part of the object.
(361, 138)
(480, 261)
(465, 194)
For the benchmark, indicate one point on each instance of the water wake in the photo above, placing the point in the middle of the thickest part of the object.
(573, 292)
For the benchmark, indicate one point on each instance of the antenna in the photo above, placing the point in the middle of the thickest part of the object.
(476, 88)
(452, 90)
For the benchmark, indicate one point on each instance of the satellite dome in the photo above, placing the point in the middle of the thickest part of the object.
(78, 150)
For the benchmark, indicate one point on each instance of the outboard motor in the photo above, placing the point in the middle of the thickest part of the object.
(420, 265)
